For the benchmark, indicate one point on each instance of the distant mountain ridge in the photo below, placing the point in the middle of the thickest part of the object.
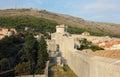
(99, 27)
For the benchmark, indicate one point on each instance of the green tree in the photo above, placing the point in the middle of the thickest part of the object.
(42, 56)
(88, 45)
(40, 65)
(9, 46)
(4, 64)
(23, 69)
(84, 44)
(30, 50)
(94, 48)
(42, 49)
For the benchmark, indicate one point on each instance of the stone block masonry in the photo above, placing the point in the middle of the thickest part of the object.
(85, 65)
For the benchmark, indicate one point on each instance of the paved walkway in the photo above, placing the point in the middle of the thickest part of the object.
(59, 71)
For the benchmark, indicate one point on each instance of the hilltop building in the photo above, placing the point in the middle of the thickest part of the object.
(7, 32)
(86, 33)
(38, 36)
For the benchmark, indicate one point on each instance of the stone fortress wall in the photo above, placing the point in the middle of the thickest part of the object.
(83, 64)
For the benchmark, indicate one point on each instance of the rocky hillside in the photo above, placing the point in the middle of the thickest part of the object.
(98, 27)
(107, 53)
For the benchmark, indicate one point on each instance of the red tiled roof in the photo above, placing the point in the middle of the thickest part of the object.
(0, 29)
(1, 34)
(108, 45)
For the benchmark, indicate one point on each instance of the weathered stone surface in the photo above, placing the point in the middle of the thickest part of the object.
(83, 64)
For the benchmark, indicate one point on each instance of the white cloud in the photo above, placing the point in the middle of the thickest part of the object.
(39, 1)
(101, 6)
(31, 3)
(96, 17)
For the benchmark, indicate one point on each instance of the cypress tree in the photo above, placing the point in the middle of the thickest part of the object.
(30, 50)
(42, 55)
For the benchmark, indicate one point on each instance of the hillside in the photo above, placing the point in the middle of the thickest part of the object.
(107, 53)
(94, 27)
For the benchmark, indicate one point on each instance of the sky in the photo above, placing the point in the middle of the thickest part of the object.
(93, 10)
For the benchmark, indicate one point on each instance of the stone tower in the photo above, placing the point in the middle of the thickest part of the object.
(61, 29)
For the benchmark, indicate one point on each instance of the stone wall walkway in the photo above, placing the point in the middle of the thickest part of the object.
(59, 71)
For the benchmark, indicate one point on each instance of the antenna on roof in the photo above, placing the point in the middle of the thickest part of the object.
(15, 4)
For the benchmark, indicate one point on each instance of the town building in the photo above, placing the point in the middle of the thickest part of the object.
(7, 32)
